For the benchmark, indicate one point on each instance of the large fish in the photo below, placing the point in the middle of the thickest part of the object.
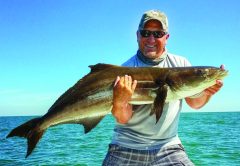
(90, 99)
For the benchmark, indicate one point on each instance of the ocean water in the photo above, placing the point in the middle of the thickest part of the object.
(209, 138)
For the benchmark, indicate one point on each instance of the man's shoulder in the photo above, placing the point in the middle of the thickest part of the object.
(174, 56)
(178, 60)
(130, 62)
(172, 59)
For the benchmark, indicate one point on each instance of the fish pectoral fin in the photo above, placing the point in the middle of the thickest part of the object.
(159, 101)
(90, 122)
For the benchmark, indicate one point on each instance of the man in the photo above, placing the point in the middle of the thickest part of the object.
(137, 140)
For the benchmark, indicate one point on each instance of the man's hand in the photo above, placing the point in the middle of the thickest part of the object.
(215, 88)
(122, 92)
(204, 96)
(123, 89)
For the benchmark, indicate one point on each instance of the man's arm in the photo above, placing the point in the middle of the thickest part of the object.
(122, 92)
(201, 99)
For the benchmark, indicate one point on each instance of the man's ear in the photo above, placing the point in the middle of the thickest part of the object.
(167, 36)
(138, 35)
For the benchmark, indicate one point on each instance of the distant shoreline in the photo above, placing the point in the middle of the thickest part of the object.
(181, 112)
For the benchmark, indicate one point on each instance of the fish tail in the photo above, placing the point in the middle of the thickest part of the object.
(29, 130)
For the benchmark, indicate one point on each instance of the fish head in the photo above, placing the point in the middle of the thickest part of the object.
(197, 75)
(192, 80)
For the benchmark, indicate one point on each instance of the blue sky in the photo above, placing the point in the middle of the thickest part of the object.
(47, 45)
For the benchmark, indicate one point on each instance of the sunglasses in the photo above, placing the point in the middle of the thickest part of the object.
(156, 34)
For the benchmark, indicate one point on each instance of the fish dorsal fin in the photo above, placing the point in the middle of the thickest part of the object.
(90, 123)
(100, 66)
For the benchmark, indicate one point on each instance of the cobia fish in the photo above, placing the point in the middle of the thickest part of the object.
(90, 99)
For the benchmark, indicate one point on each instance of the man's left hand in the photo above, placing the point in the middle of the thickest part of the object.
(215, 88)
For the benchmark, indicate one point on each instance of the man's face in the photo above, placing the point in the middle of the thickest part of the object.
(152, 47)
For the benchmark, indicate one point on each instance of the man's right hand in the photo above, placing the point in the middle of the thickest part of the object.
(122, 92)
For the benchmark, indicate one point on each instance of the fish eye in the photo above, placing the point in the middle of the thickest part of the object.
(206, 71)
(199, 72)
(202, 72)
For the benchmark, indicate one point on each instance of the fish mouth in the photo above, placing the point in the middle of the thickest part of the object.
(218, 74)
(222, 73)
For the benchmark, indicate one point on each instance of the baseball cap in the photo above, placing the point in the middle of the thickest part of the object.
(154, 15)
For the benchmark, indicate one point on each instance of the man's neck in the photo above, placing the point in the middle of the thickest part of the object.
(150, 61)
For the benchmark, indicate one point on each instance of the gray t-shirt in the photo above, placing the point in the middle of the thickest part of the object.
(142, 132)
